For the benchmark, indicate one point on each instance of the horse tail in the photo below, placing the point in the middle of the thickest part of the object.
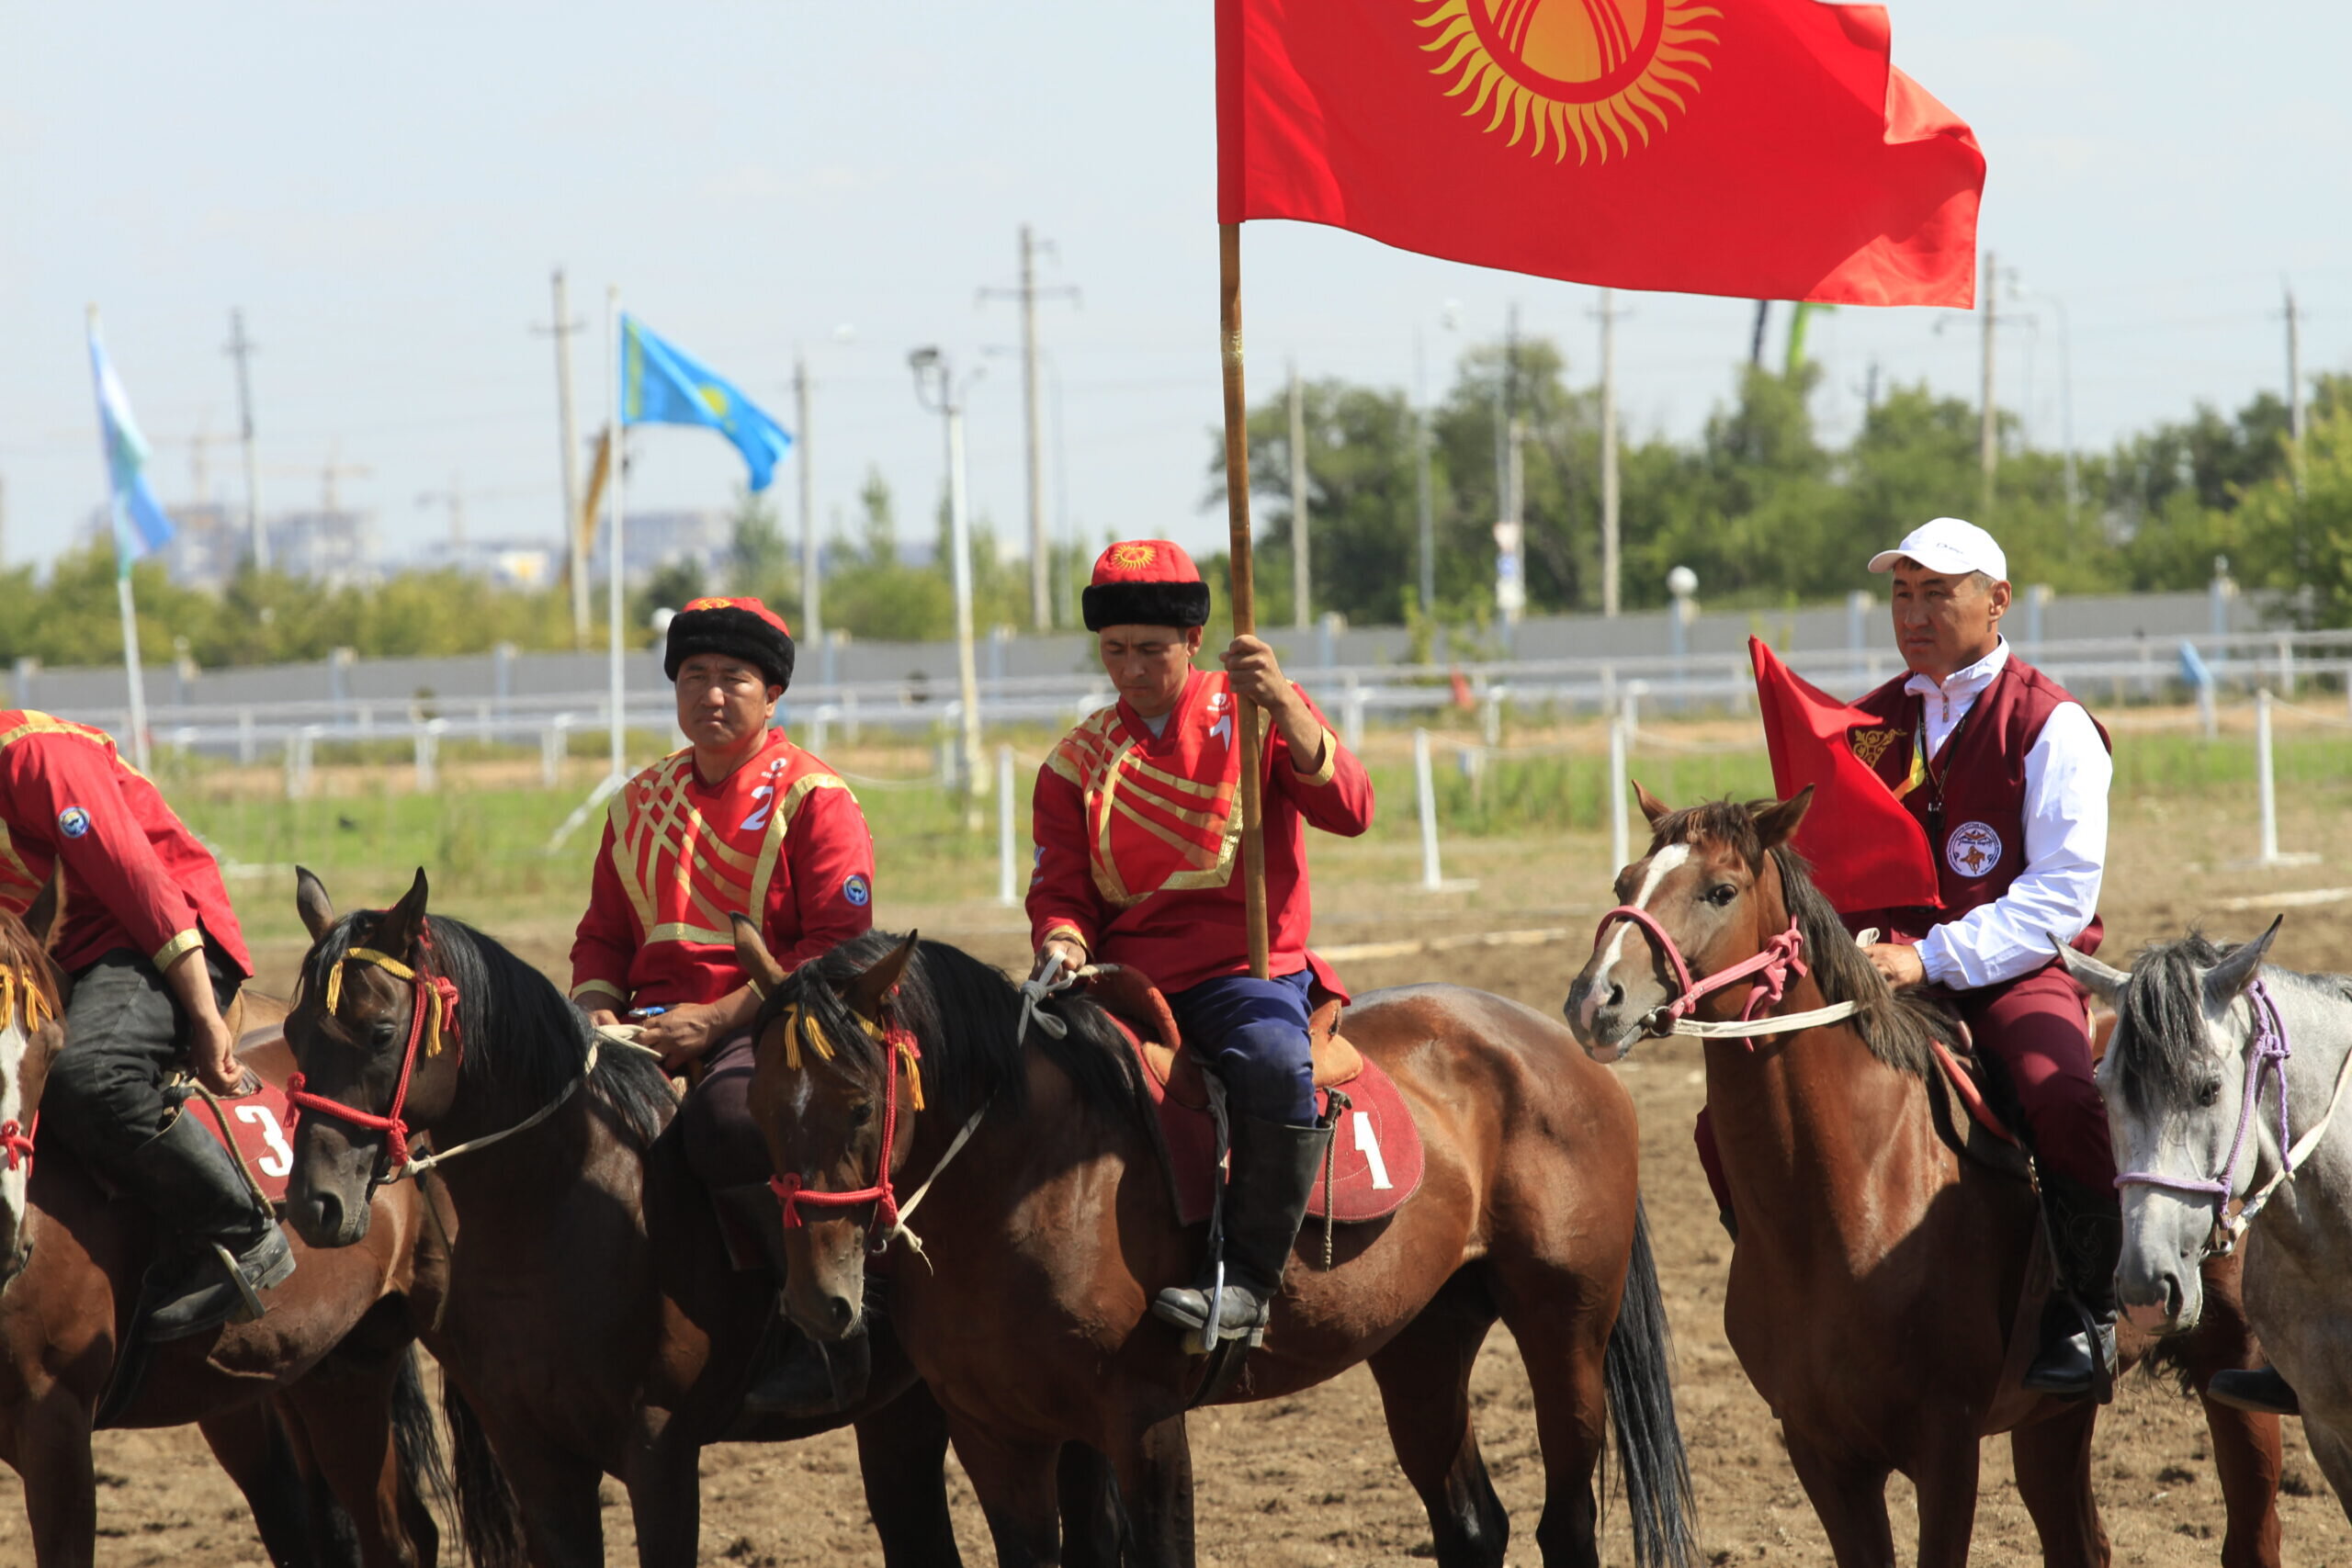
(423, 1464)
(1638, 1369)
(488, 1514)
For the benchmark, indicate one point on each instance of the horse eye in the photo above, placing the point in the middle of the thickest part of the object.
(2209, 1091)
(383, 1033)
(1722, 893)
(861, 1114)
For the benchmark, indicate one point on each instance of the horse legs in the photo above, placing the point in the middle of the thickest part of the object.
(60, 1482)
(1424, 1378)
(1944, 1470)
(1094, 1522)
(2328, 1447)
(902, 1455)
(1015, 1484)
(1155, 1468)
(665, 1481)
(1850, 1497)
(254, 1448)
(2053, 1466)
(2246, 1445)
(342, 1413)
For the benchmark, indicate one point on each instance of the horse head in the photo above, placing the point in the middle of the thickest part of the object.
(1706, 894)
(2183, 1108)
(362, 1048)
(32, 1027)
(826, 1095)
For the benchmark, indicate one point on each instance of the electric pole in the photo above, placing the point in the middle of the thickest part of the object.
(1609, 563)
(1041, 593)
(2294, 390)
(812, 629)
(1425, 487)
(1988, 440)
(241, 348)
(568, 439)
(1301, 610)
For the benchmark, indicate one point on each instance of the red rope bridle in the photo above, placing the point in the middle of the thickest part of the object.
(900, 1049)
(432, 1014)
(17, 1142)
(1770, 971)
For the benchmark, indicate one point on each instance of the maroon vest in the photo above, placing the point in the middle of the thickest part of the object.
(1972, 804)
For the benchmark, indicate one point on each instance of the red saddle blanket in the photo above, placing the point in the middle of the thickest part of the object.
(260, 1126)
(1376, 1153)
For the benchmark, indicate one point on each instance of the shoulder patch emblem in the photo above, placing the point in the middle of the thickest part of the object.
(857, 890)
(72, 821)
(1973, 849)
(1869, 745)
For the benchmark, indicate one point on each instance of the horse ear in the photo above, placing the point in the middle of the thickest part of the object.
(752, 952)
(2102, 980)
(1652, 806)
(2227, 978)
(402, 924)
(311, 902)
(46, 912)
(1776, 823)
(866, 992)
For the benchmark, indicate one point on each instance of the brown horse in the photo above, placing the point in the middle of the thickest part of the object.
(1875, 1289)
(1047, 1223)
(322, 1393)
(592, 1325)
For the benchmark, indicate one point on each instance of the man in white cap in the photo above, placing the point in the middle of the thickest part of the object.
(2008, 774)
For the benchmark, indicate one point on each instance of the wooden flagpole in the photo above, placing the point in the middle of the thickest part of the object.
(1245, 608)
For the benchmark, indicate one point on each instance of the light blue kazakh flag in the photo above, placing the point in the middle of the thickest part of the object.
(661, 386)
(140, 523)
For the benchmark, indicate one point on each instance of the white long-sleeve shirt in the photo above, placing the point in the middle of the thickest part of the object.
(2066, 777)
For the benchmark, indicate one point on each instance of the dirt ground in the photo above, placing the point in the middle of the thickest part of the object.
(1309, 1480)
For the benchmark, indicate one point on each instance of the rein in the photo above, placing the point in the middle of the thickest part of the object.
(2266, 1056)
(889, 1221)
(1767, 972)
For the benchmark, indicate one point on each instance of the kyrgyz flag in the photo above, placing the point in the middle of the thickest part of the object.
(1867, 851)
(1764, 148)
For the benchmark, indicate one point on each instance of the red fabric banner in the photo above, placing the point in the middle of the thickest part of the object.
(1868, 852)
(1764, 148)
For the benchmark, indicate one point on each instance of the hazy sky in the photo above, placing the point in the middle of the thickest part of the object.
(384, 191)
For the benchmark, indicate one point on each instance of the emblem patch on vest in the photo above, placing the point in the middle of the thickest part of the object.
(1869, 745)
(856, 890)
(1972, 849)
(72, 821)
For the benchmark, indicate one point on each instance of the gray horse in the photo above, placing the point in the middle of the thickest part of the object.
(2223, 1084)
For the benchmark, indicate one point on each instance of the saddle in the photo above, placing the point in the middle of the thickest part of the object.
(1376, 1155)
(1960, 1101)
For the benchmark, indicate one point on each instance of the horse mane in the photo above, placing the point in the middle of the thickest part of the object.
(2159, 1051)
(1900, 1030)
(522, 1037)
(22, 953)
(967, 1017)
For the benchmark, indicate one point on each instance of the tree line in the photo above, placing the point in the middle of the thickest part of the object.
(1759, 505)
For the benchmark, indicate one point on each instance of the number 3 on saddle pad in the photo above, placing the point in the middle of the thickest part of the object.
(260, 1132)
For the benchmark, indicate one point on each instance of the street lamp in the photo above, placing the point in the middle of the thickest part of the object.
(1682, 582)
(937, 390)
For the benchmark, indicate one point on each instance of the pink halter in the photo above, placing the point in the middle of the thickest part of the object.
(1768, 971)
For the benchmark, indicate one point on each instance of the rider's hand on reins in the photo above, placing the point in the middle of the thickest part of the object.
(212, 1056)
(1898, 962)
(1058, 954)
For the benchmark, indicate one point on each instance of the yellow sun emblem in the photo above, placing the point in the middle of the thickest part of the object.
(1134, 557)
(1594, 71)
(714, 398)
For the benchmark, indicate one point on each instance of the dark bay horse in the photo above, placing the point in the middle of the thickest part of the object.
(592, 1325)
(1046, 1234)
(320, 1395)
(1875, 1283)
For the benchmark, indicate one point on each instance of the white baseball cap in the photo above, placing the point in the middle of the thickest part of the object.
(1948, 546)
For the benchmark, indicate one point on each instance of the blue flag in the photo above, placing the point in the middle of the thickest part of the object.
(140, 523)
(661, 386)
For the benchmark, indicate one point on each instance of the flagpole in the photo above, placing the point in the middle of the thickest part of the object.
(1245, 606)
(133, 675)
(619, 673)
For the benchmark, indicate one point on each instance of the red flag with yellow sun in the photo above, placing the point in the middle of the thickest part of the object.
(1766, 149)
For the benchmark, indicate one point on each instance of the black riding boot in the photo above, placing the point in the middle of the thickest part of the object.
(2086, 1232)
(2261, 1390)
(220, 1248)
(1274, 1168)
(792, 1374)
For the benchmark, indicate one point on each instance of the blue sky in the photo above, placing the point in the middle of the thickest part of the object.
(384, 191)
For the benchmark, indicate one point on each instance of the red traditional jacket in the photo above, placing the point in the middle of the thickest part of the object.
(781, 839)
(135, 877)
(1139, 839)
(1971, 801)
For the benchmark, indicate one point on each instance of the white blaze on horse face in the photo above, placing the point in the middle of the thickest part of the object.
(14, 1045)
(1662, 864)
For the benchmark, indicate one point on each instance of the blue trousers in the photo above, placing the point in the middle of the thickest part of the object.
(1252, 1034)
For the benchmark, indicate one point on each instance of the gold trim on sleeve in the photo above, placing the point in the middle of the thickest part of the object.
(181, 942)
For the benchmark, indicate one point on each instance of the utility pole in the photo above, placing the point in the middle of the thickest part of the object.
(1301, 609)
(1425, 486)
(1041, 591)
(241, 348)
(568, 439)
(812, 629)
(1988, 440)
(2294, 390)
(934, 371)
(1756, 344)
(1610, 562)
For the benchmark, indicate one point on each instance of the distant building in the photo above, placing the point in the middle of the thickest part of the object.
(524, 564)
(651, 540)
(209, 543)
